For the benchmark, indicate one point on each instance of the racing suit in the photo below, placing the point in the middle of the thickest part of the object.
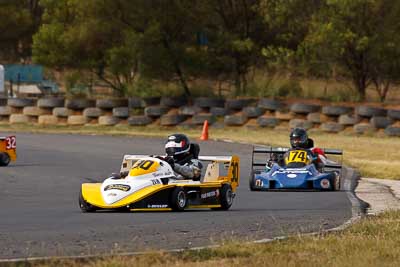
(189, 169)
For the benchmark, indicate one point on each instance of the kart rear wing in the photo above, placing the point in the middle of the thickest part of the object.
(283, 150)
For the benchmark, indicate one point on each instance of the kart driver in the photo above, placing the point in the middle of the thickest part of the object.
(183, 157)
(299, 140)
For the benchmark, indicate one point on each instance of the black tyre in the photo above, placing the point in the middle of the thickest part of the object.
(4, 159)
(252, 182)
(178, 199)
(336, 182)
(85, 207)
(226, 196)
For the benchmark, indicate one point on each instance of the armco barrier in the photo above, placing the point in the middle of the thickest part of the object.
(179, 111)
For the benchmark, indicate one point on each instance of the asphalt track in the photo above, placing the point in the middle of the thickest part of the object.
(39, 213)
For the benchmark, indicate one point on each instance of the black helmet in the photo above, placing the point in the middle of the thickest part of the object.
(298, 138)
(177, 144)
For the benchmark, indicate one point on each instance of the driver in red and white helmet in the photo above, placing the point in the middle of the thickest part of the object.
(183, 157)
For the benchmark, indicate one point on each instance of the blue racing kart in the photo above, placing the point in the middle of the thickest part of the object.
(290, 169)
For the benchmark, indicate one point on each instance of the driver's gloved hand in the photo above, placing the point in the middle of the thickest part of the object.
(124, 174)
(170, 161)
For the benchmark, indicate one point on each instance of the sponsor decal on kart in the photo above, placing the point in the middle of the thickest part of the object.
(292, 175)
(210, 194)
(121, 187)
(325, 183)
(259, 182)
(158, 206)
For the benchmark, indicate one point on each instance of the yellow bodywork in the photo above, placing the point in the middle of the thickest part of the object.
(91, 192)
(8, 145)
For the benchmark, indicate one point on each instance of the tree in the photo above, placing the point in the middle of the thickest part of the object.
(349, 34)
(20, 20)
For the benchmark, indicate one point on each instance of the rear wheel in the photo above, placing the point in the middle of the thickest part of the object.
(85, 207)
(178, 199)
(226, 196)
(4, 159)
(336, 182)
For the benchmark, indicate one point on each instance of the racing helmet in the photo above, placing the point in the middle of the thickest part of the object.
(298, 138)
(177, 145)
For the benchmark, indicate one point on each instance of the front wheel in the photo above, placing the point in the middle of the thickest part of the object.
(252, 182)
(85, 207)
(178, 199)
(4, 159)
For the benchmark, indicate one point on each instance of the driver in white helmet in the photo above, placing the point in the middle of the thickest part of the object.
(183, 157)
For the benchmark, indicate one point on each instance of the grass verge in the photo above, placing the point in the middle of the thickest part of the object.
(374, 241)
(374, 156)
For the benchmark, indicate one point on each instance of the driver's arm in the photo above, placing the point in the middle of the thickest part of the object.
(191, 171)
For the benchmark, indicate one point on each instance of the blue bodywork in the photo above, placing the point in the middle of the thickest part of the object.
(292, 178)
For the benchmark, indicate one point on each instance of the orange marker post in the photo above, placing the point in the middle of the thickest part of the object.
(204, 133)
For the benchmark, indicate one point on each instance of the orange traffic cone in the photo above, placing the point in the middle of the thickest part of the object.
(204, 133)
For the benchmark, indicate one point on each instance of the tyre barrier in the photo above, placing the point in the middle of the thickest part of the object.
(172, 120)
(367, 111)
(300, 123)
(173, 102)
(77, 120)
(392, 131)
(270, 122)
(270, 104)
(314, 117)
(394, 114)
(361, 128)
(139, 120)
(35, 111)
(92, 112)
(302, 108)
(62, 112)
(218, 111)
(155, 111)
(111, 103)
(5, 111)
(50, 102)
(253, 112)
(250, 113)
(237, 104)
(235, 120)
(48, 120)
(108, 120)
(19, 118)
(199, 119)
(380, 122)
(20, 102)
(209, 102)
(189, 110)
(336, 110)
(121, 112)
(284, 116)
(79, 104)
(331, 127)
(349, 120)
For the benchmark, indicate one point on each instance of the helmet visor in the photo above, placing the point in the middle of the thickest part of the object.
(173, 148)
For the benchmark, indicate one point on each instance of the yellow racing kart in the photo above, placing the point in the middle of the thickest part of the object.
(8, 150)
(152, 185)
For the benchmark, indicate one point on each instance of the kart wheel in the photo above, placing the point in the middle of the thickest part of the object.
(178, 199)
(4, 159)
(85, 207)
(252, 183)
(226, 197)
(336, 184)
